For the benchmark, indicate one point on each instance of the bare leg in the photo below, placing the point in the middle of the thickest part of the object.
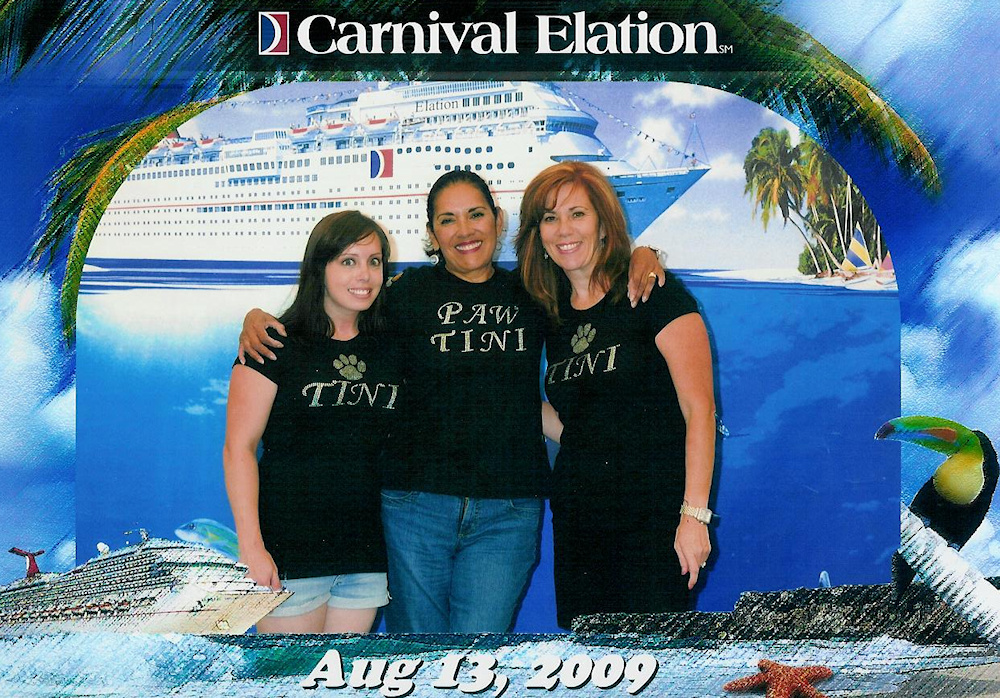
(311, 622)
(349, 620)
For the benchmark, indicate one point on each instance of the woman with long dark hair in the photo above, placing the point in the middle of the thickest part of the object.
(635, 403)
(308, 514)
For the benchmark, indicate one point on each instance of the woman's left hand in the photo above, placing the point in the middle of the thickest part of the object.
(644, 271)
(693, 547)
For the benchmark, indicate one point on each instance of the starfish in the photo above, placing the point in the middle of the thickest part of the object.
(783, 681)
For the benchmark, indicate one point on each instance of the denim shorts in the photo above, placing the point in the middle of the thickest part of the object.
(360, 590)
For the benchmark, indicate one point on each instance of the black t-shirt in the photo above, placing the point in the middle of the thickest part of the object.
(471, 420)
(319, 498)
(622, 446)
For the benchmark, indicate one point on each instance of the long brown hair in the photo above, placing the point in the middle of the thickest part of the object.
(540, 275)
(331, 236)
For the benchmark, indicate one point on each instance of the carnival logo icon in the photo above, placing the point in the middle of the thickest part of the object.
(272, 33)
(381, 161)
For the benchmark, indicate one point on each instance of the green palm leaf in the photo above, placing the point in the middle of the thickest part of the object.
(84, 187)
(25, 26)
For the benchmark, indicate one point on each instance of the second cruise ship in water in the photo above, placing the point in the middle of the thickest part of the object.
(257, 197)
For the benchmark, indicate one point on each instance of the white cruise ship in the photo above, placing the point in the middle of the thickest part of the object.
(154, 586)
(255, 198)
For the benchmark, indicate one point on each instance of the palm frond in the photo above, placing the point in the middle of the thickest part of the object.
(84, 187)
(25, 26)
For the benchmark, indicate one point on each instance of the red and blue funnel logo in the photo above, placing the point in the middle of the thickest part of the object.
(272, 33)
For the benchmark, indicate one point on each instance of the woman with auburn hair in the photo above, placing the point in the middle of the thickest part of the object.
(632, 389)
(308, 514)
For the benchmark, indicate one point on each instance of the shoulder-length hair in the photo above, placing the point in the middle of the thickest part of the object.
(328, 240)
(540, 275)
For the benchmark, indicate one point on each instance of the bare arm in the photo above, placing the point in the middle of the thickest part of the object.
(254, 339)
(643, 270)
(251, 396)
(551, 424)
(684, 345)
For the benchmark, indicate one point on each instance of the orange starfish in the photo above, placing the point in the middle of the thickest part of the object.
(783, 681)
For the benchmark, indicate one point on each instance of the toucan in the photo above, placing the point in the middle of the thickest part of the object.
(955, 500)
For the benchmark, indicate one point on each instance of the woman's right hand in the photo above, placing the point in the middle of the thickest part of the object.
(261, 567)
(254, 339)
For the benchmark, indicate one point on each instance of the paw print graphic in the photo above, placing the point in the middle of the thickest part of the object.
(584, 336)
(349, 367)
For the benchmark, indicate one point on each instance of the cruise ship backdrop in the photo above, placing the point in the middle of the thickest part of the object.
(255, 197)
(214, 221)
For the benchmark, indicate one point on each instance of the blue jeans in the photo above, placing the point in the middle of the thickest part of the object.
(457, 564)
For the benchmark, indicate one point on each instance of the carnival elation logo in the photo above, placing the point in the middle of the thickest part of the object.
(381, 160)
(272, 33)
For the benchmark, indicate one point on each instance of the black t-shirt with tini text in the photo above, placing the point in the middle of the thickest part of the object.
(319, 500)
(622, 446)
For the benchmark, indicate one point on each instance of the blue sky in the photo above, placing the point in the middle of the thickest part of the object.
(935, 62)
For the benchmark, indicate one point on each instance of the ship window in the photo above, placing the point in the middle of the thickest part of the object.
(355, 157)
(322, 161)
(447, 168)
(499, 165)
(298, 163)
(399, 150)
(479, 150)
(465, 102)
(489, 166)
(468, 150)
(409, 150)
(510, 165)
(307, 162)
(437, 149)
(489, 149)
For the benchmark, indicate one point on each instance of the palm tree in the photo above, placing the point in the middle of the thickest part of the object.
(781, 67)
(775, 181)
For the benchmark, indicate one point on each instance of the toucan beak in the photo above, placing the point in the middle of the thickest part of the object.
(934, 433)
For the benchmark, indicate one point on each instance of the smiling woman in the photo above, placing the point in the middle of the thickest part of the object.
(327, 549)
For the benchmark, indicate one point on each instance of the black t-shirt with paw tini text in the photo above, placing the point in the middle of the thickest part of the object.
(471, 414)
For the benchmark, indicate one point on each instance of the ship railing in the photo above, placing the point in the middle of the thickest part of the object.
(668, 171)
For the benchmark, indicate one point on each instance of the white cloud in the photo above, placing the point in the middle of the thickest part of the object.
(777, 121)
(658, 150)
(37, 423)
(975, 264)
(681, 213)
(680, 94)
(727, 168)
(218, 387)
(197, 410)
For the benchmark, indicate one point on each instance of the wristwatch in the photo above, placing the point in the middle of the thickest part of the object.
(702, 514)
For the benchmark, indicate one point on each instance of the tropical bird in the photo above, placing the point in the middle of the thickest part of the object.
(955, 500)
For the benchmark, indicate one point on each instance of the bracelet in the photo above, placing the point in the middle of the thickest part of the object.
(701, 514)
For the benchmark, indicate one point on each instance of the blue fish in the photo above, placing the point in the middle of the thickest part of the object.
(212, 534)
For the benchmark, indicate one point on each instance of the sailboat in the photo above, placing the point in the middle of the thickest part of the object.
(886, 274)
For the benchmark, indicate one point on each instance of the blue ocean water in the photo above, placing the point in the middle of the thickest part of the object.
(805, 374)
